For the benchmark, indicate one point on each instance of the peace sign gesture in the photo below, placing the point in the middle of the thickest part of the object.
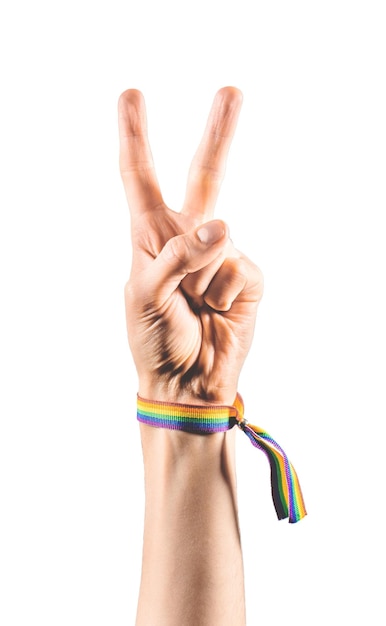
(192, 298)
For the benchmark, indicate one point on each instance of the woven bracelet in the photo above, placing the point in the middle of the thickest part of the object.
(286, 492)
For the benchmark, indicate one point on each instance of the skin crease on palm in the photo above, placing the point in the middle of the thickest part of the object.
(191, 299)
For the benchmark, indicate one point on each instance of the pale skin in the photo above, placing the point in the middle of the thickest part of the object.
(191, 304)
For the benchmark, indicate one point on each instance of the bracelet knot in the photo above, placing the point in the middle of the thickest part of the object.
(205, 420)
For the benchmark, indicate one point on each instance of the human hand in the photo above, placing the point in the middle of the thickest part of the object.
(192, 298)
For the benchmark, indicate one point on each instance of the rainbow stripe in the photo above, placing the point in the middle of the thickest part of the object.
(187, 417)
(285, 487)
(286, 492)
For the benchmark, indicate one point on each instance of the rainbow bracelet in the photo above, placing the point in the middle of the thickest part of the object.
(286, 492)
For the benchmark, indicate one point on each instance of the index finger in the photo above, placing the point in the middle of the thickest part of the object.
(135, 158)
(208, 166)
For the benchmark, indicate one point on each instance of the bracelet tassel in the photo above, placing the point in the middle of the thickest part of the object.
(285, 487)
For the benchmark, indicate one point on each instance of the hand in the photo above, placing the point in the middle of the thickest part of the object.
(192, 298)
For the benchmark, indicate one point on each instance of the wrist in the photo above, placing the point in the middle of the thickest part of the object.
(187, 438)
(175, 461)
(174, 391)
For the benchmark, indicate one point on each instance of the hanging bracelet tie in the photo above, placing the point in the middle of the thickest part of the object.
(286, 492)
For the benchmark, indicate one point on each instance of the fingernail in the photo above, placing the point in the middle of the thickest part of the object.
(211, 232)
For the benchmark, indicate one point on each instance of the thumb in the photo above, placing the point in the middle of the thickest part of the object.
(182, 255)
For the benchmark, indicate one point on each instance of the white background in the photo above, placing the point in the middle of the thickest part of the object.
(304, 196)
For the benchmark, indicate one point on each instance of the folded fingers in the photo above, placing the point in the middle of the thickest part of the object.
(224, 281)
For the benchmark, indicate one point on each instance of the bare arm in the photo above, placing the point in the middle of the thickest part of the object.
(191, 304)
(192, 565)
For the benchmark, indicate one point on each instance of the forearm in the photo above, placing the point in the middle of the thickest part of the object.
(192, 572)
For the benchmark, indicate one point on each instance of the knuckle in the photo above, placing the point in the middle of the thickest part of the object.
(234, 270)
(239, 266)
(219, 303)
(259, 277)
(244, 271)
(257, 281)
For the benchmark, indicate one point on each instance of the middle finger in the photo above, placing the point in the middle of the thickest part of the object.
(208, 166)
